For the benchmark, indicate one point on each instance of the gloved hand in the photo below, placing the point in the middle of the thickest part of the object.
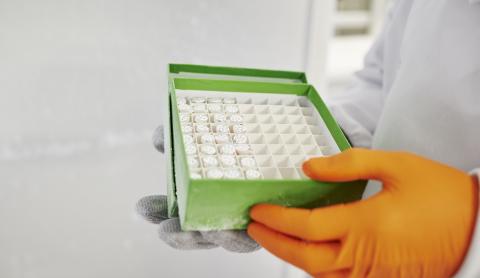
(419, 225)
(154, 209)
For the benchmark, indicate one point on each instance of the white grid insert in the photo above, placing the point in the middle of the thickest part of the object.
(250, 135)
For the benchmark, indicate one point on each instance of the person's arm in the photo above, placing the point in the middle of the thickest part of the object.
(358, 109)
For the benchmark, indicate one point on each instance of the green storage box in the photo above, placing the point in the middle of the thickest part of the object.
(283, 121)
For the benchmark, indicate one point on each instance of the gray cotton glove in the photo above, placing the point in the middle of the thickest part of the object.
(154, 210)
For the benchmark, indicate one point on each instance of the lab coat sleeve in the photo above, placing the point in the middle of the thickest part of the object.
(358, 109)
(471, 266)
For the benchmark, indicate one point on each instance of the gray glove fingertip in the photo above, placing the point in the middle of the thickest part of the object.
(153, 208)
(233, 241)
(158, 139)
(170, 232)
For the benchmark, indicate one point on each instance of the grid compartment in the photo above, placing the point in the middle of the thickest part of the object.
(250, 135)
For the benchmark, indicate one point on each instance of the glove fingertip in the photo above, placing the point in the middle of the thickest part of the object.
(243, 249)
(152, 208)
(171, 233)
(233, 241)
(310, 167)
(158, 139)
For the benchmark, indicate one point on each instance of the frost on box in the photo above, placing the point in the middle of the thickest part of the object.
(250, 136)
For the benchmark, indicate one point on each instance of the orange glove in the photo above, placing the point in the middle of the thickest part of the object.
(419, 225)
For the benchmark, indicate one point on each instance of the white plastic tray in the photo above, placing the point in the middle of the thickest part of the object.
(282, 131)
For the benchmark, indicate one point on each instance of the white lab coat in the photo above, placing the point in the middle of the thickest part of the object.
(419, 91)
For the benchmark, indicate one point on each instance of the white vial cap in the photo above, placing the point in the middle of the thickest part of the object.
(184, 117)
(199, 108)
(192, 161)
(239, 129)
(229, 100)
(207, 139)
(200, 118)
(228, 160)
(240, 138)
(214, 173)
(222, 138)
(227, 149)
(197, 100)
(187, 128)
(181, 100)
(219, 118)
(210, 161)
(202, 128)
(184, 108)
(190, 149)
(187, 139)
(208, 149)
(214, 108)
(220, 128)
(253, 174)
(231, 109)
(215, 100)
(243, 149)
(233, 174)
(247, 162)
(236, 118)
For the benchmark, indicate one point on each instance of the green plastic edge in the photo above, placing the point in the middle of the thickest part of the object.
(177, 68)
(334, 191)
(172, 208)
(240, 86)
(332, 125)
(180, 161)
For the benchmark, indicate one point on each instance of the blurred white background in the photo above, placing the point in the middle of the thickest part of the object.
(80, 94)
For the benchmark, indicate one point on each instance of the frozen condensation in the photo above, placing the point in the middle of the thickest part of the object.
(250, 135)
